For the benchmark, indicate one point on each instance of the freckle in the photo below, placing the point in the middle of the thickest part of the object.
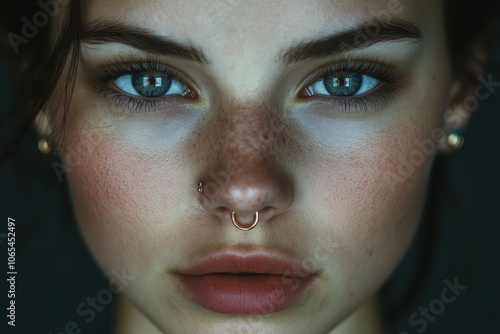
(351, 294)
(434, 78)
(370, 253)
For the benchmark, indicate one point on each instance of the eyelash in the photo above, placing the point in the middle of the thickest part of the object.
(389, 83)
(106, 74)
(104, 77)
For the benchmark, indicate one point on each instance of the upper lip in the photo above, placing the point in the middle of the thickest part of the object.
(256, 263)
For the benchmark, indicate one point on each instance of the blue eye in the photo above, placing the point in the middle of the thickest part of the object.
(343, 84)
(353, 86)
(149, 85)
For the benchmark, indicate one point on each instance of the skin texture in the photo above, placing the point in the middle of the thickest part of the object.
(342, 191)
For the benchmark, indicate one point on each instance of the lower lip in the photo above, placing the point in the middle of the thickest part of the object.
(245, 294)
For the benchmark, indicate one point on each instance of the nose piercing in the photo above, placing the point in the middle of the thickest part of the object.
(233, 216)
(245, 227)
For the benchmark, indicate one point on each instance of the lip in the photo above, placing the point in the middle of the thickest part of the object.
(246, 283)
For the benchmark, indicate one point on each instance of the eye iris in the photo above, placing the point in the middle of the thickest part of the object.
(343, 84)
(151, 86)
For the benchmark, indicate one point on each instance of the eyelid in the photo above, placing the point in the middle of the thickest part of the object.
(130, 65)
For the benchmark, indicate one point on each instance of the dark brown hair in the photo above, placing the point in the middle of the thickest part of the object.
(36, 66)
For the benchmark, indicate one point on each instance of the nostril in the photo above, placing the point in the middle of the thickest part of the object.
(222, 211)
(266, 193)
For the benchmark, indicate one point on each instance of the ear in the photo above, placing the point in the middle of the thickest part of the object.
(462, 102)
(42, 124)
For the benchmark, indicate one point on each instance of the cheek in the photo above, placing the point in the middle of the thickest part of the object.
(376, 196)
(382, 190)
(121, 197)
(368, 197)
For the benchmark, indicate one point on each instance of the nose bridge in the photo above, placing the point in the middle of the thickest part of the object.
(246, 146)
(243, 172)
(245, 134)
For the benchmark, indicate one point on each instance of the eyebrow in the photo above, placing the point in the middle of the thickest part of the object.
(101, 32)
(355, 38)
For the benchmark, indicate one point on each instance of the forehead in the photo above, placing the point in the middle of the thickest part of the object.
(254, 24)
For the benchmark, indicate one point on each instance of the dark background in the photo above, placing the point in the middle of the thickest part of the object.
(56, 273)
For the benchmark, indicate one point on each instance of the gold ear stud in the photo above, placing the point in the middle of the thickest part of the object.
(45, 145)
(455, 141)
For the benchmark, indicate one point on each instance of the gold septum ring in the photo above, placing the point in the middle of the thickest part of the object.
(245, 227)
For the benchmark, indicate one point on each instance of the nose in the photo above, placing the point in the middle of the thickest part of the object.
(246, 190)
(246, 174)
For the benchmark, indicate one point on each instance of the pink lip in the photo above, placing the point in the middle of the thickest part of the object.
(265, 283)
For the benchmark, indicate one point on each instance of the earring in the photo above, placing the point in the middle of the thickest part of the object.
(45, 145)
(455, 141)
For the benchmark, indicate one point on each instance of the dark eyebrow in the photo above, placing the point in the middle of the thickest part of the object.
(99, 32)
(359, 37)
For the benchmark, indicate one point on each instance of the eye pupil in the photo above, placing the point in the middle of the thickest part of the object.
(343, 84)
(149, 85)
(151, 81)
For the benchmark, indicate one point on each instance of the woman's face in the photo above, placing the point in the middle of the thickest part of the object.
(329, 136)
